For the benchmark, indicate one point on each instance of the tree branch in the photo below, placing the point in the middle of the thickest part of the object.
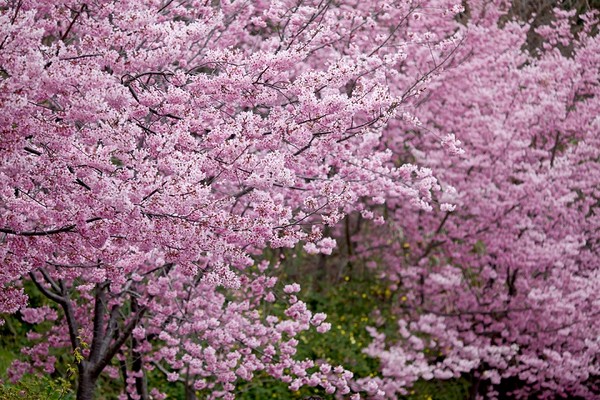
(99, 310)
(116, 345)
(68, 228)
(65, 303)
(77, 14)
(52, 296)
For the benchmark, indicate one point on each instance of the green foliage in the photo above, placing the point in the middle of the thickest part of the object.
(455, 389)
(479, 248)
(266, 387)
(33, 387)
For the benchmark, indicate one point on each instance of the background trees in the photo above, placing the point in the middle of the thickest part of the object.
(163, 162)
(505, 286)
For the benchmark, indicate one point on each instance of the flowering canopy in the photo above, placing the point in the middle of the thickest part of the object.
(149, 150)
(151, 153)
(505, 287)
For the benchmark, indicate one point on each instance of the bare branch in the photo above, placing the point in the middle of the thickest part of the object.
(67, 306)
(64, 229)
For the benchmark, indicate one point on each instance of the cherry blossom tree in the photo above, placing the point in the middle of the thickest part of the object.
(502, 289)
(152, 151)
(156, 156)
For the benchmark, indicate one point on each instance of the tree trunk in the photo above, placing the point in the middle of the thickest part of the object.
(190, 393)
(86, 386)
(141, 382)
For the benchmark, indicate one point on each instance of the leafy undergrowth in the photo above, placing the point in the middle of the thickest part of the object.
(37, 388)
(353, 300)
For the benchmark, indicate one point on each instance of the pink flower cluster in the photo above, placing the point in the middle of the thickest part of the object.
(152, 152)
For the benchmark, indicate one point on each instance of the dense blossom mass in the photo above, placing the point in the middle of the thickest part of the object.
(157, 156)
(506, 286)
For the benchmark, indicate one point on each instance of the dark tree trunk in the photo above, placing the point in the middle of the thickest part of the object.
(86, 385)
(141, 382)
(190, 393)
